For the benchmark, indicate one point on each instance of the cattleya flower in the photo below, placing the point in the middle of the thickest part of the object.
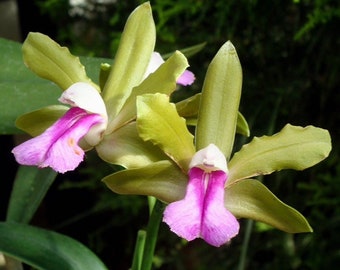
(202, 212)
(58, 146)
(205, 197)
(97, 112)
(85, 122)
(187, 78)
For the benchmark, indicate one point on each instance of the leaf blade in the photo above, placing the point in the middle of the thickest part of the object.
(44, 249)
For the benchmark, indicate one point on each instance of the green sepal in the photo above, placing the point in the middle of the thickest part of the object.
(220, 100)
(36, 122)
(189, 107)
(50, 61)
(159, 122)
(163, 180)
(43, 249)
(163, 80)
(250, 199)
(104, 73)
(292, 148)
(124, 147)
(131, 61)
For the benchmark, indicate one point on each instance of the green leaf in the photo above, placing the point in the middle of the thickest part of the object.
(251, 199)
(132, 59)
(292, 148)
(189, 51)
(126, 148)
(36, 122)
(44, 249)
(50, 61)
(30, 187)
(220, 100)
(163, 180)
(159, 122)
(163, 80)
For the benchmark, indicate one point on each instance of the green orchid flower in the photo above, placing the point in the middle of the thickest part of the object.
(100, 116)
(206, 186)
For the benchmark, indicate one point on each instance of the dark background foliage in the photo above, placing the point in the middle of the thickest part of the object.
(289, 51)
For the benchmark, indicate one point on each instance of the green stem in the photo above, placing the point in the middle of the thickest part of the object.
(245, 244)
(139, 250)
(151, 235)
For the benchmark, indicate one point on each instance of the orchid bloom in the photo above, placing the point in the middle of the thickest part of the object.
(187, 77)
(84, 122)
(58, 147)
(202, 212)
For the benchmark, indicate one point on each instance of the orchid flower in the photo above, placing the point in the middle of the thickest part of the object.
(187, 77)
(100, 116)
(58, 146)
(205, 196)
(202, 212)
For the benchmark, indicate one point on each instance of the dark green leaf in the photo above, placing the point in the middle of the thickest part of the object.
(45, 249)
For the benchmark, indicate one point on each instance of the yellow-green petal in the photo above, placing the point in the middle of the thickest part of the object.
(159, 122)
(132, 58)
(220, 100)
(124, 147)
(293, 147)
(163, 180)
(250, 199)
(50, 61)
(36, 122)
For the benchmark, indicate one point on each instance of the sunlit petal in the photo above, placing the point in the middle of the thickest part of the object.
(218, 224)
(184, 216)
(84, 96)
(58, 146)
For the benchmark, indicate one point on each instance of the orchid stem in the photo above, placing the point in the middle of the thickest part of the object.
(245, 244)
(139, 249)
(151, 235)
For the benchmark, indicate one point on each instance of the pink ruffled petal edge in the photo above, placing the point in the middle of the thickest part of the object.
(58, 146)
(218, 224)
(184, 216)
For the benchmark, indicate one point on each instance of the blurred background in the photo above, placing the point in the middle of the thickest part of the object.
(289, 51)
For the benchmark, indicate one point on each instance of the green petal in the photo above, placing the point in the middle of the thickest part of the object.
(292, 148)
(189, 107)
(126, 148)
(163, 80)
(44, 249)
(220, 100)
(47, 59)
(251, 199)
(132, 58)
(162, 179)
(36, 122)
(159, 122)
